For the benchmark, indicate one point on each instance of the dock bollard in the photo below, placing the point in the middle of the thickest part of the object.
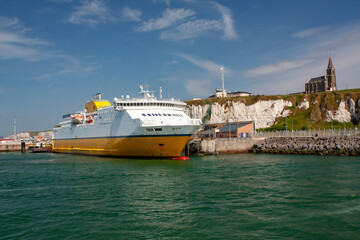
(23, 149)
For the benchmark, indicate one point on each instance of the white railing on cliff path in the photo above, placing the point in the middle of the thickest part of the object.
(351, 132)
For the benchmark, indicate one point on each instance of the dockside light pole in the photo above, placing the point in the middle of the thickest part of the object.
(14, 128)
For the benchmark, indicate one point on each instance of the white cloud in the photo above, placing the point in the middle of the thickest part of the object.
(169, 17)
(130, 14)
(274, 68)
(309, 32)
(172, 62)
(198, 88)
(8, 22)
(191, 29)
(167, 2)
(91, 13)
(204, 64)
(228, 22)
(188, 26)
(15, 44)
(50, 75)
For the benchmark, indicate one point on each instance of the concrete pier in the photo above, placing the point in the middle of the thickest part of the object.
(10, 146)
(222, 145)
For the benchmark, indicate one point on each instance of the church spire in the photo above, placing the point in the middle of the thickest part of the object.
(330, 64)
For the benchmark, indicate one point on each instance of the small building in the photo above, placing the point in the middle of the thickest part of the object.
(218, 94)
(236, 130)
(238, 94)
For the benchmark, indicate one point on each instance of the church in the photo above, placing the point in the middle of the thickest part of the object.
(323, 83)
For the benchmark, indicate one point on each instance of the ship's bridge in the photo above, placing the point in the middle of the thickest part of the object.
(147, 101)
(120, 104)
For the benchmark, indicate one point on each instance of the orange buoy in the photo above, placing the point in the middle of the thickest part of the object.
(181, 158)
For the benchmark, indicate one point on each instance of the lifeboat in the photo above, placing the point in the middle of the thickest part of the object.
(76, 119)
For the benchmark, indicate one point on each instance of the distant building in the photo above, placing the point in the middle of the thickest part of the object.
(238, 94)
(218, 94)
(236, 130)
(227, 130)
(323, 83)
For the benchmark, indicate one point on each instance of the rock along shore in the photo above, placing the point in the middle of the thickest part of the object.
(348, 146)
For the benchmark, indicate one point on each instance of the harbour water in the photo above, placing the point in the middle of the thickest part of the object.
(246, 196)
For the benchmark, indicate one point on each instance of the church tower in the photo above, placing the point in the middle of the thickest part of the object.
(330, 76)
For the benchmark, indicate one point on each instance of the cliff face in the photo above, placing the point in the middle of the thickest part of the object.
(340, 106)
(264, 113)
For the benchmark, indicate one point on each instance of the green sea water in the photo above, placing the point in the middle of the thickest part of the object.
(247, 196)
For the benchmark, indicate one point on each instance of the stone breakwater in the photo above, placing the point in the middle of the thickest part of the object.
(348, 146)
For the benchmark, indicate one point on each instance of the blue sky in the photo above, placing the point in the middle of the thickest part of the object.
(54, 54)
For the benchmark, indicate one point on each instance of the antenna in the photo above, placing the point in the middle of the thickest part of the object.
(160, 92)
(223, 80)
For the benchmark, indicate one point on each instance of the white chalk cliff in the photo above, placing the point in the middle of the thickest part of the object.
(265, 112)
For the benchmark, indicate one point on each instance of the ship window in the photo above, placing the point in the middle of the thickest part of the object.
(158, 129)
(149, 129)
(159, 114)
(143, 114)
(153, 114)
(149, 114)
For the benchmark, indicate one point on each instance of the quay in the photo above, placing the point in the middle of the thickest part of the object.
(314, 142)
(7, 145)
(17, 146)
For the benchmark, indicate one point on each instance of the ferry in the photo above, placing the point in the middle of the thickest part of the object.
(143, 127)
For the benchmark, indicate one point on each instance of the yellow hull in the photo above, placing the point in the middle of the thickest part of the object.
(161, 146)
